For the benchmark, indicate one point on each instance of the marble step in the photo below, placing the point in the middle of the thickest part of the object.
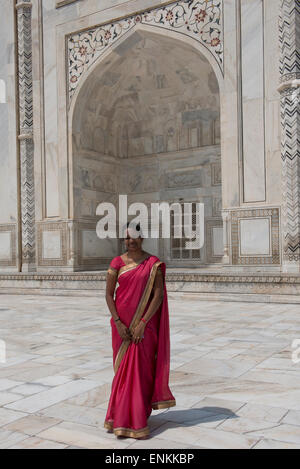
(250, 287)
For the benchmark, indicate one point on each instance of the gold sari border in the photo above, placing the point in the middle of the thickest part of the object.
(132, 265)
(138, 315)
(111, 270)
(109, 426)
(163, 404)
(145, 297)
(126, 268)
(127, 432)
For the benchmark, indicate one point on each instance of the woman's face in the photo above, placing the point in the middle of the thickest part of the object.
(131, 243)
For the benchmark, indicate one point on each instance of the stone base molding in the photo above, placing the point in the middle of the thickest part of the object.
(278, 288)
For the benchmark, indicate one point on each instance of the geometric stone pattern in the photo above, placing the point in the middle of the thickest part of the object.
(200, 19)
(27, 202)
(25, 84)
(290, 144)
(289, 29)
(236, 217)
(90, 281)
(234, 382)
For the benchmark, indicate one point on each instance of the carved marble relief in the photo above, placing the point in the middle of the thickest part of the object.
(152, 99)
(26, 133)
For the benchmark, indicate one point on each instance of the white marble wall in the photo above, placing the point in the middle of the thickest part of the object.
(255, 237)
(239, 185)
(251, 177)
(5, 246)
(230, 120)
(56, 197)
(52, 244)
(272, 104)
(260, 105)
(253, 104)
(8, 131)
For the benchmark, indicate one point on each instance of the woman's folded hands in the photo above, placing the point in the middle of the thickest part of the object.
(123, 331)
(136, 336)
(138, 333)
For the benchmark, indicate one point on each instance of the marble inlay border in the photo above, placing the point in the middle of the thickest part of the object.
(273, 213)
(278, 279)
(200, 19)
(62, 227)
(12, 230)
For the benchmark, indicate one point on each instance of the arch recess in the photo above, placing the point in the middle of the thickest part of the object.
(148, 92)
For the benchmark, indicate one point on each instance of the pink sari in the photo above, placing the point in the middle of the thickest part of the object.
(141, 381)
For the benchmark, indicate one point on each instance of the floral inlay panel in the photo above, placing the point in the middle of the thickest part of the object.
(200, 19)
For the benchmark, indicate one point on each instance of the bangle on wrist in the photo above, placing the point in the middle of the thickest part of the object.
(118, 319)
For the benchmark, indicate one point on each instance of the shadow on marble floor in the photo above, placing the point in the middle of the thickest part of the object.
(209, 416)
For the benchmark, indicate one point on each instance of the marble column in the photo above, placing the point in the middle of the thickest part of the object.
(24, 9)
(289, 36)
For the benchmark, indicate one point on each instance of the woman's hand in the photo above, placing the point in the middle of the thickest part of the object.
(123, 331)
(138, 333)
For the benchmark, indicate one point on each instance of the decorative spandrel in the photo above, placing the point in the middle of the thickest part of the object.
(200, 19)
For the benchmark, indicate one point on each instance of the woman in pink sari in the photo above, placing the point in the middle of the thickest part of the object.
(140, 340)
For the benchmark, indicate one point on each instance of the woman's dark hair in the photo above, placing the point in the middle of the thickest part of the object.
(134, 226)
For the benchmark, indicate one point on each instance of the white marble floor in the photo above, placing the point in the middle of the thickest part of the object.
(232, 374)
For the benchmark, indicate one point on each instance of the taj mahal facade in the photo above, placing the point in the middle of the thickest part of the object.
(164, 101)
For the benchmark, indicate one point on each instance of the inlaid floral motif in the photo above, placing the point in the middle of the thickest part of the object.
(200, 19)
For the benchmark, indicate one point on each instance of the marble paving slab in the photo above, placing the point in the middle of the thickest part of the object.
(231, 373)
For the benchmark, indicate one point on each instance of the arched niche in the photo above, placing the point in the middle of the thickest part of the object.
(146, 122)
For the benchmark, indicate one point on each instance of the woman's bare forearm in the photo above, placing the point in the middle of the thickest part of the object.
(154, 305)
(112, 307)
